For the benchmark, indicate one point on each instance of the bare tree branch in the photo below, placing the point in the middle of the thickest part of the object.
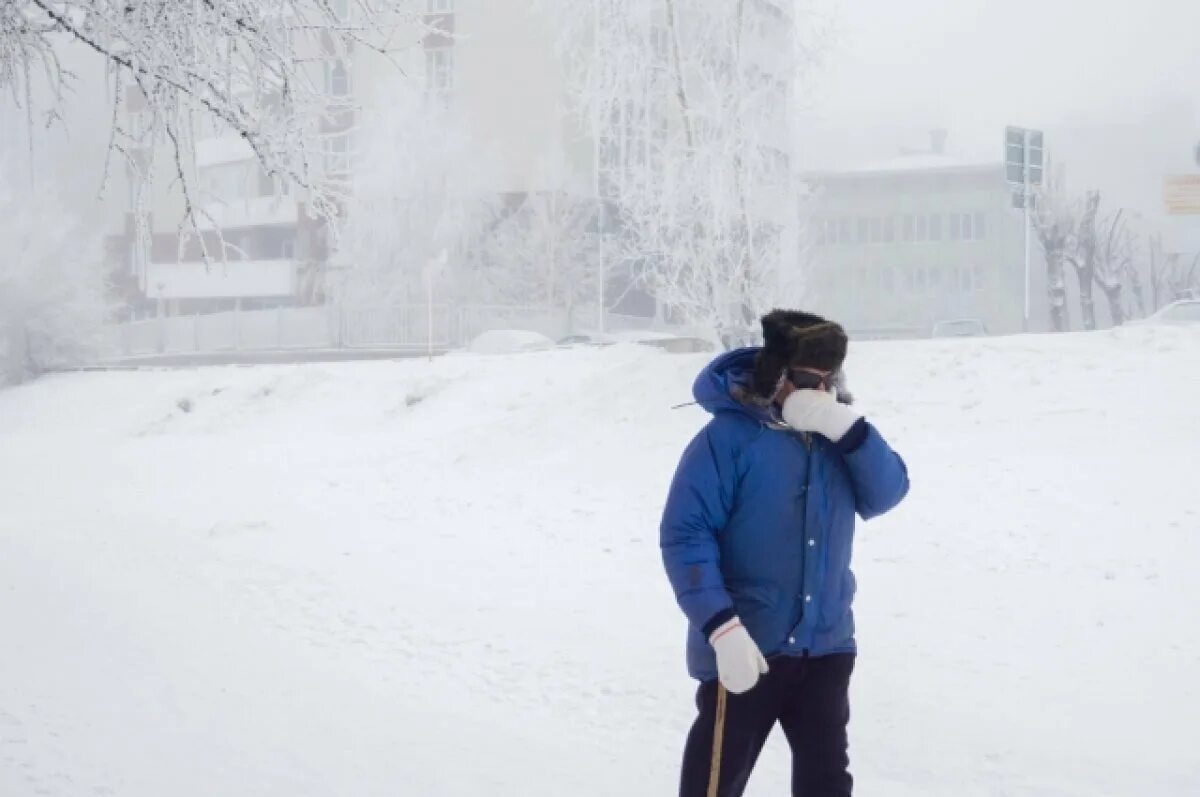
(249, 69)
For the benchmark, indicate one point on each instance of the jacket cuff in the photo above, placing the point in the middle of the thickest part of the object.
(716, 621)
(853, 439)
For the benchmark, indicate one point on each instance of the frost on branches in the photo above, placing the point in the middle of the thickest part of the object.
(418, 191)
(435, 195)
(52, 288)
(688, 102)
(251, 68)
(1101, 247)
(543, 250)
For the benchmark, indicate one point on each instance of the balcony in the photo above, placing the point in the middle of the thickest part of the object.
(232, 280)
(254, 212)
(222, 149)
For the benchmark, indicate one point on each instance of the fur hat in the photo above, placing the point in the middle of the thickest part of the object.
(793, 339)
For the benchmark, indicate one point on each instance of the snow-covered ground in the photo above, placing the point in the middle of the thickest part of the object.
(444, 579)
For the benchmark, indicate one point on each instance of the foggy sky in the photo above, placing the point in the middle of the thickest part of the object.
(973, 66)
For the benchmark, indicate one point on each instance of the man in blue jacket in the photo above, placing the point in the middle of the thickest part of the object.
(756, 538)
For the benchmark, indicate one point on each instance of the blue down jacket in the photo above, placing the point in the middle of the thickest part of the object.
(759, 523)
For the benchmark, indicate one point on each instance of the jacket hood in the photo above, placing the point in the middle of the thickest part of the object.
(715, 385)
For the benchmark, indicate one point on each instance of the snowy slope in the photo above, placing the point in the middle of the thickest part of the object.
(443, 578)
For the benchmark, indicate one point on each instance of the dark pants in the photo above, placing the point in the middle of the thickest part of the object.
(808, 697)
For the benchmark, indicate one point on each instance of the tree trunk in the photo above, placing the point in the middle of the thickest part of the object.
(1116, 302)
(1110, 277)
(1139, 295)
(1087, 304)
(685, 110)
(1057, 286)
(1154, 280)
(1085, 264)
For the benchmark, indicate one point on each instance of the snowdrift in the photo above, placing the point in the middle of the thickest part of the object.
(443, 578)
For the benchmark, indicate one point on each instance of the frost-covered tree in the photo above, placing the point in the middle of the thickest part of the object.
(52, 288)
(1083, 257)
(541, 248)
(688, 104)
(543, 251)
(1103, 249)
(253, 68)
(1114, 268)
(1172, 276)
(419, 189)
(1054, 222)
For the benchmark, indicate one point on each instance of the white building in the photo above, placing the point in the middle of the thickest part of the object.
(495, 64)
(902, 245)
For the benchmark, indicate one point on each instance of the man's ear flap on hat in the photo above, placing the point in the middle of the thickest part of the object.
(768, 369)
(775, 330)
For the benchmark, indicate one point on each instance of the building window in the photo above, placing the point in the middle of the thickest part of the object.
(889, 230)
(831, 231)
(980, 226)
(965, 226)
(660, 48)
(229, 182)
(980, 274)
(439, 70)
(337, 155)
(337, 79)
(919, 279)
(287, 249)
(964, 279)
(625, 146)
(843, 236)
(935, 227)
(876, 231)
(935, 279)
(138, 125)
(439, 6)
(910, 228)
(864, 231)
(922, 233)
(269, 186)
(887, 279)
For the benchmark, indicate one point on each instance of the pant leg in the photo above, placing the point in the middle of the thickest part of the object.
(816, 711)
(748, 720)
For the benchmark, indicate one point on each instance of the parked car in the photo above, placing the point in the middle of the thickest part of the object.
(571, 341)
(960, 328)
(678, 344)
(510, 341)
(1186, 311)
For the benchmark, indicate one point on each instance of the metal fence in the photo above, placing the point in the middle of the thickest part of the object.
(340, 327)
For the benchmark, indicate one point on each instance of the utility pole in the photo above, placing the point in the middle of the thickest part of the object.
(601, 266)
(1028, 200)
(1024, 165)
(601, 211)
(433, 267)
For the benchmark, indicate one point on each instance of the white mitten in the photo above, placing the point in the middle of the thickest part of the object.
(820, 412)
(739, 661)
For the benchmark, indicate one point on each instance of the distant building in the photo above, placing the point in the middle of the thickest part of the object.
(902, 245)
(497, 67)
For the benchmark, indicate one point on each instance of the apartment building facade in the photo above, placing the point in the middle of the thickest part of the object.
(900, 246)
